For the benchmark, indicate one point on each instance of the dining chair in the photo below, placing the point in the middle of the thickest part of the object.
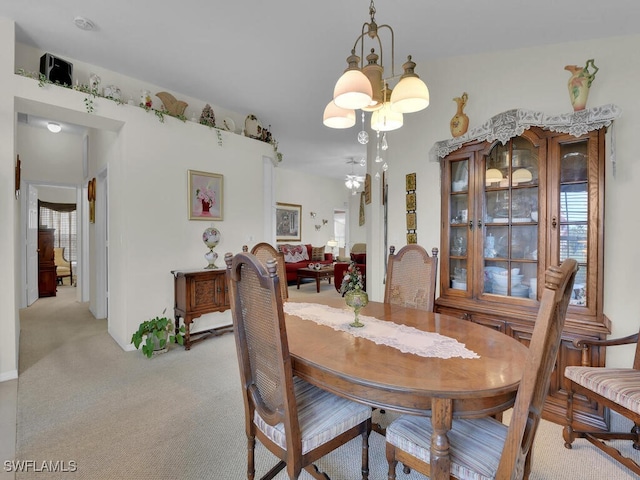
(485, 448)
(411, 277)
(264, 251)
(617, 389)
(296, 421)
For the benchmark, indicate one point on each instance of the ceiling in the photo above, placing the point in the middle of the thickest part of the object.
(280, 60)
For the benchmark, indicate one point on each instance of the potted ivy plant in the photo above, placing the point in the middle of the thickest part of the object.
(158, 332)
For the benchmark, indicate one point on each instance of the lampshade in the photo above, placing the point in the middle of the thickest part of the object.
(332, 243)
(353, 89)
(493, 175)
(385, 119)
(410, 94)
(54, 127)
(336, 117)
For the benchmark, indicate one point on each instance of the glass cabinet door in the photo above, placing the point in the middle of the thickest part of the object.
(510, 234)
(458, 224)
(571, 220)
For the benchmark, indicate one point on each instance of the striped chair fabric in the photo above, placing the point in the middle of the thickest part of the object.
(484, 437)
(616, 389)
(322, 417)
(620, 385)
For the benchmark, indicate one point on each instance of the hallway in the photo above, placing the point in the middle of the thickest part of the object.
(39, 311)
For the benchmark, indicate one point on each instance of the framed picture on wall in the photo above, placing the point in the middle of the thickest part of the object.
(205, 196)
(288, 222)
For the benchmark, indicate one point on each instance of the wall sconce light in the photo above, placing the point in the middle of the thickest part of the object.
(312, 214)
(324, 221)
(318, 227)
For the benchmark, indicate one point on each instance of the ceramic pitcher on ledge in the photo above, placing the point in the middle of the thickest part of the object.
(579, 84)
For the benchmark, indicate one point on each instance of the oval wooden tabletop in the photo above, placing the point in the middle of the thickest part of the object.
(384, 377)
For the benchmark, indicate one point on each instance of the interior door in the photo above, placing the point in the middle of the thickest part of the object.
(32, 244)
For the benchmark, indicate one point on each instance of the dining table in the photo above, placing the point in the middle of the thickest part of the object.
(383, 373)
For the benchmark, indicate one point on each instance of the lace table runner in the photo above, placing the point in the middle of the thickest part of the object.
(402, 337)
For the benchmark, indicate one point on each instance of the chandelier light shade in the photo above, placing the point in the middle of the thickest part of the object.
(363, 86)
(336, 117)
(386, 119)
(411, 94)
(353, 89)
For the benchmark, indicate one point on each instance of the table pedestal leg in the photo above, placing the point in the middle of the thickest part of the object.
(441, 418)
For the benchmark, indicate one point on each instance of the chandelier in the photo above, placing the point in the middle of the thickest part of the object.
(364, 87)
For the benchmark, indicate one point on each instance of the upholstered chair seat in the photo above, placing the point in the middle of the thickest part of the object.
(322, 416)
(620, 385)
(475, 445)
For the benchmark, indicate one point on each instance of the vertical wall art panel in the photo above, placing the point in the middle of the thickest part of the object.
(412, 223)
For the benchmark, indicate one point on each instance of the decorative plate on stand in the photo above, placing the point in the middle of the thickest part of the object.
(252, 127)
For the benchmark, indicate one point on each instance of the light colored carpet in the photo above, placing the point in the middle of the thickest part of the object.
(119, 415)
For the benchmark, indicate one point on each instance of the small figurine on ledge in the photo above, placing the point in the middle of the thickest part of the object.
(171, 104)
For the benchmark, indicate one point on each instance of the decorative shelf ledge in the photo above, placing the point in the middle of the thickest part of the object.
(514, 122)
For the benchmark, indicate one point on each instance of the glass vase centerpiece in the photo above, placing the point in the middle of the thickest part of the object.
(352, 288)
(211, 238)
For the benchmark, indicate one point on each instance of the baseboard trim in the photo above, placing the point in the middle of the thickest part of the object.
(10, 375)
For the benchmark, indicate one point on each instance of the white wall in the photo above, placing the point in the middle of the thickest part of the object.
(145, 162)
(533, 79)
(318, 195)
(9, 211)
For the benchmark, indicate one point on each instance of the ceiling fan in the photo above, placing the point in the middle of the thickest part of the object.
(353, 181)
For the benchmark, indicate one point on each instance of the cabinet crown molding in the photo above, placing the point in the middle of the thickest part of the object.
(512, 123)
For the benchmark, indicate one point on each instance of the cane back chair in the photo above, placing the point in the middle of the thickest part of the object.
(296, 421)
(411, 277)
(264, 252)
(485, 448)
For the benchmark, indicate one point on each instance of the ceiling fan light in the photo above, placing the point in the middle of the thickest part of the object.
(410, 94)
(336, 117)
(54, 127)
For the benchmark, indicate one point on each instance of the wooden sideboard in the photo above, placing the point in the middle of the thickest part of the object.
(197, 292)
(47, 277)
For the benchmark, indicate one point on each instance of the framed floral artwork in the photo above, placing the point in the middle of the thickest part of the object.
(288, 222)
(205, 195)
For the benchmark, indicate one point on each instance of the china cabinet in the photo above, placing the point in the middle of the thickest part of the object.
(510, 210)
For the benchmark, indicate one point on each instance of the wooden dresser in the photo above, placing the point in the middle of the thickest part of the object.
(47, 277)
(197, 292)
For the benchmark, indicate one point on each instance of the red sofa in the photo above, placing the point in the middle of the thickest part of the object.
(300, 256)
(341, 267)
